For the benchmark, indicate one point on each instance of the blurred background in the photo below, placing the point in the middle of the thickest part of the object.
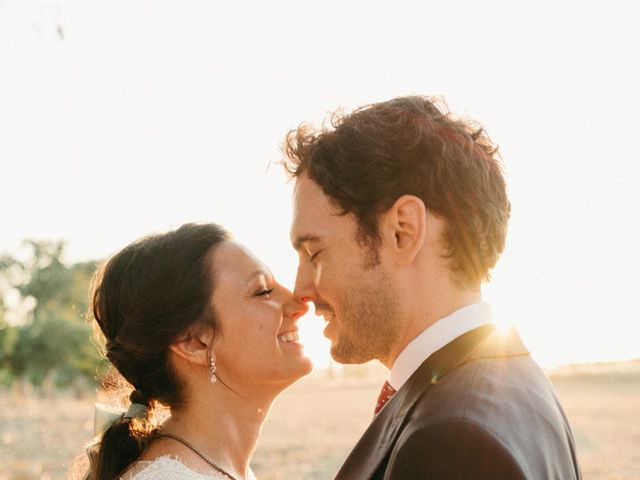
(119, 119)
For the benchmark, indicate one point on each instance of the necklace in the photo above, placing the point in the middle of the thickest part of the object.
(197, 452)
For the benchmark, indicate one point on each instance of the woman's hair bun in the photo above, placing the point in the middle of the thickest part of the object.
(140, 397)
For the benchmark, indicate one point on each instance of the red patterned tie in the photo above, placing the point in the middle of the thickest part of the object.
(385, 394)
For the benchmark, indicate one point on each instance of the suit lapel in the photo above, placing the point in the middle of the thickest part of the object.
(377, 441)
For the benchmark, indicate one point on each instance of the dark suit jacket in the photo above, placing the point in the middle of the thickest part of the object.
(479, 408)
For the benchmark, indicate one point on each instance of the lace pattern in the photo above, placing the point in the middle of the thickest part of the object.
(168, 468)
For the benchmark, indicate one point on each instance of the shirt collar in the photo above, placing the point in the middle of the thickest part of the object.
(436, 336)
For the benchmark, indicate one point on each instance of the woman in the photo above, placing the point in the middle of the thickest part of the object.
(193, 321)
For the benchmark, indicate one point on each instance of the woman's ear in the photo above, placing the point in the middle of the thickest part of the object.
(405, 225)
(195, 345)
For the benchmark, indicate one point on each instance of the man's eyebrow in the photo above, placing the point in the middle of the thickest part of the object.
(299, 241)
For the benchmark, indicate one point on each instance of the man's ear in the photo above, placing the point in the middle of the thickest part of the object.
(195, 345)
(405, 227)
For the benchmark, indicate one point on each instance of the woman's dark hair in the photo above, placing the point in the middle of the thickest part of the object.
(411, 145)
(144, 298)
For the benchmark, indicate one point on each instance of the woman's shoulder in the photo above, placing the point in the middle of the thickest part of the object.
(166, 467)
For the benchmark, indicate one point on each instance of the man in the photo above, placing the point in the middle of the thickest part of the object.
(400, 211)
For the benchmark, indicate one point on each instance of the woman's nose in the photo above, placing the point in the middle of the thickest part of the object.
(294, 308)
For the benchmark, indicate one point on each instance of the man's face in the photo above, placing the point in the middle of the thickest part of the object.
(335, 272)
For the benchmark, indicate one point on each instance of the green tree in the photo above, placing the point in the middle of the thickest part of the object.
(57, 339)
(8, 342)
(8, 333)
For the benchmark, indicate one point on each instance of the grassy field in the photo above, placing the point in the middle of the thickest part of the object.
(312, 426)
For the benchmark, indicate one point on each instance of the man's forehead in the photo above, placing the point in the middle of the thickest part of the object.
(308, 197)
(307, 191)
(307, 224)
(314, 216)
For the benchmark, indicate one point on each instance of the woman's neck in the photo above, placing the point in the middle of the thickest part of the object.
(223, 425)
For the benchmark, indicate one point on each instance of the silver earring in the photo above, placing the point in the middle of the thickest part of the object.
(212, 369)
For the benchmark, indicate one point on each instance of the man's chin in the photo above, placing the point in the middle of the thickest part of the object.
(346, 356)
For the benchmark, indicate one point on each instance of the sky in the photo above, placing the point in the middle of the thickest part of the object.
(120, 118)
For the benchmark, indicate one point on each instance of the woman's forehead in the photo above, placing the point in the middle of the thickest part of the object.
(233, 260)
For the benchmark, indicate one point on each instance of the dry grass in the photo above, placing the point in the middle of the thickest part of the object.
(312, 427)
(604, 411)
(38, 437)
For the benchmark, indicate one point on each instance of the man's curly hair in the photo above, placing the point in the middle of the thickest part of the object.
(412, 145)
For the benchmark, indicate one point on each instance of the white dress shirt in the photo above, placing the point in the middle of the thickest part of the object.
(436, 336)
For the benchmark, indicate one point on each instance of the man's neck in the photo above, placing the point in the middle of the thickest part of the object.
(429, 313)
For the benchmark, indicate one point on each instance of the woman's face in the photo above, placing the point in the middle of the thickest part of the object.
(257, 342)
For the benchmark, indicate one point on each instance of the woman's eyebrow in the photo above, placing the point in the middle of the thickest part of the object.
(257, 273)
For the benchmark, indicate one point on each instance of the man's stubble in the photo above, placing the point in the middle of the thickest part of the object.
(370, 320)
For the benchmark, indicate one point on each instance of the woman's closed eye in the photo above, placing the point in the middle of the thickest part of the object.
(265, 292)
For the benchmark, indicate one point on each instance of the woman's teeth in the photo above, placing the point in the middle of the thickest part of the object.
(289, 337)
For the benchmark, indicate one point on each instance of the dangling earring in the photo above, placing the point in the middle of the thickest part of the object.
(212, 369)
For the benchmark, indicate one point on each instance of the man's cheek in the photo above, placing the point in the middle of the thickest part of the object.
(318, 274)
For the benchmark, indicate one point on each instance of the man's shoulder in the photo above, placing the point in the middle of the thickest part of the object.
(505, 408)
(486, 391)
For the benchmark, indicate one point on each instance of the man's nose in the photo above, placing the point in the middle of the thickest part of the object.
(304, 289)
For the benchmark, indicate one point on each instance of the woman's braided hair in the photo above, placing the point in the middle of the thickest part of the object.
(144, 298)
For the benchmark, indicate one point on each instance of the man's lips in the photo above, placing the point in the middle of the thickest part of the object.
(327, 316)
(324, 310)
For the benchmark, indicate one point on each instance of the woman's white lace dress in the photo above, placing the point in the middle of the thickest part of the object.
(169, 468)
